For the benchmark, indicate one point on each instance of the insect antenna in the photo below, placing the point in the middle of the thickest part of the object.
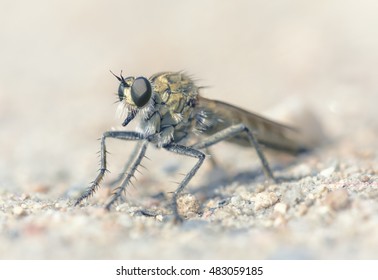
(120, 78)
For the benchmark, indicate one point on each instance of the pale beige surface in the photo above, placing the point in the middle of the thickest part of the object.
(56, 98)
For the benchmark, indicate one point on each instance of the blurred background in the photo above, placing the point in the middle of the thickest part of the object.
(57, 95)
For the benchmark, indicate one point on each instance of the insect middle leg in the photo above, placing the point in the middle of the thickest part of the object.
(123, 135)
(187, 151)
(231, 132)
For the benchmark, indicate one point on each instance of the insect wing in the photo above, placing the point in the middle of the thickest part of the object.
(214, 116)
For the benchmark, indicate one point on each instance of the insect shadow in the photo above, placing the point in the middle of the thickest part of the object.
(251, 178)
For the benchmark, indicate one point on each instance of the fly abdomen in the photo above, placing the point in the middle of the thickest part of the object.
(213, 116)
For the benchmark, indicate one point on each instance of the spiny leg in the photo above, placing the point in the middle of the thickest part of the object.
(187, 151)
(123, 135)
(231, 132)
(126, 167)
(118, 193)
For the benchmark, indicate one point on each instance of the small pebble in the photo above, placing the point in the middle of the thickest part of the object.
(39, 188)
(364, 178)
(265, 200)
(328, 171)
(281, 208)
(236, 200)
(292, 195)
(279, 221)
(61, 204)
(24, 196)
(19, 211)
(259, 188)
(338, 199)
(321, 191)
(37, 206)
(302, 209)
(188, 205)
(122, 207)
(309, 201)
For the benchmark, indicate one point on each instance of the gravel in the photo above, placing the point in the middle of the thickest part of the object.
(56, 99)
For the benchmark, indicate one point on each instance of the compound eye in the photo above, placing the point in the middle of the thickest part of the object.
(121, 93)
(141, 91)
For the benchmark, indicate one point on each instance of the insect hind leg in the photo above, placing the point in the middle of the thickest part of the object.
(231, 132)
(191, 152)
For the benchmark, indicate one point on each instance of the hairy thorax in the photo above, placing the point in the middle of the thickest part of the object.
(170, 115)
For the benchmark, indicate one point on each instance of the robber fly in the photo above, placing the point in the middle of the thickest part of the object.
(170, 112)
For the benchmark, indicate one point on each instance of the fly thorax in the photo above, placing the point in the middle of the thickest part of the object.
(149, 121)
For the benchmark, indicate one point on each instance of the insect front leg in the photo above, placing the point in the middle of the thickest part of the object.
(121, 189)
(230, 132)
(126, 167)
(191, 152)
(123, 135)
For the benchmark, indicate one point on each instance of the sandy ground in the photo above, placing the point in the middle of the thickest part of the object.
(57, 95)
